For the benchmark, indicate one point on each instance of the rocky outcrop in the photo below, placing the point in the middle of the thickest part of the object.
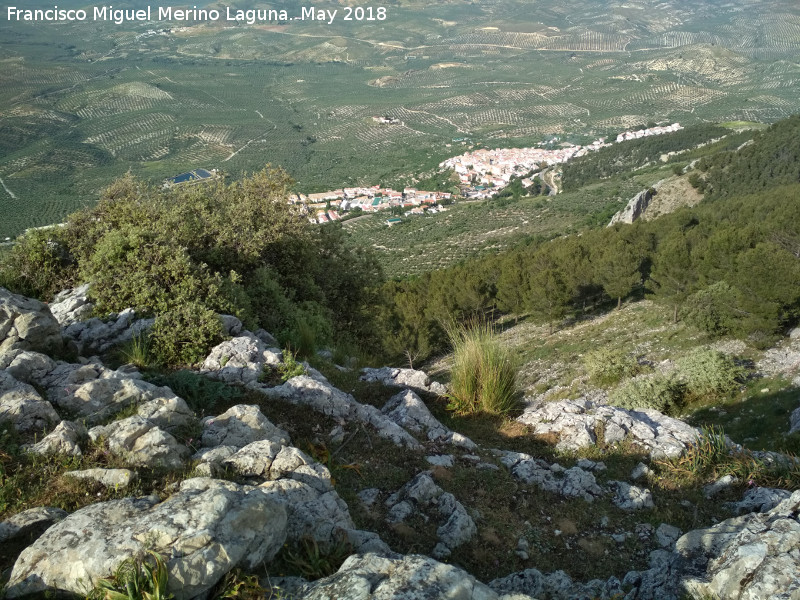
(64, 439)
(635, 207)
(240, 360)
(421, 494)
(319, 394)
(575, 482)
(22, 405)
(110, 478)
(239, 426)
(141, 443)
(753, 557)
(408, 378)
(576, 423)
(27, 324)
(24, 523)
(410, 412)
(71, 306)
(203, 531)
(372, 576)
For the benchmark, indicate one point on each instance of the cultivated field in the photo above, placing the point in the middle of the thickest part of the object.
(81, 103)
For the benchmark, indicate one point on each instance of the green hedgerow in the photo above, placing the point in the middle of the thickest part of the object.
(484, 374)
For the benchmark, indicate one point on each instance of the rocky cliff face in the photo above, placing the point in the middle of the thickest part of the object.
(242, 489)
(635, 207)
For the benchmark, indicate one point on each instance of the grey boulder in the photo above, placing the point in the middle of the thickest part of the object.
(203, 531)
(27, 324)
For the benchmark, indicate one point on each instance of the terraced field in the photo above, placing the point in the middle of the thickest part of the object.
(81, 103)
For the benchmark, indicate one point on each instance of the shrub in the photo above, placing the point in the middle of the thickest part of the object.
(200, 393)
(483, 378)
(708, 373)
(39, 264)
(655, 391)
(608, 367)
(184, 335)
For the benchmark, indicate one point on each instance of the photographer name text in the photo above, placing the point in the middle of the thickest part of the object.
(173, 14)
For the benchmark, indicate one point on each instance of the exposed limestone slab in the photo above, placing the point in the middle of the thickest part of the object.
(141, 443)
(204, 530)
(64, 439)
(576, 421)
(239, 426)
(27, 324)
(22, 405)
(409, 378)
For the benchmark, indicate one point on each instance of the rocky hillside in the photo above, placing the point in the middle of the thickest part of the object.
(256, 476)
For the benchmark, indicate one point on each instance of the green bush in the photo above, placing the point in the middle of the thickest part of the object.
(483, 378)
(184, 335)
(708, 373)
(655, 391)
(39, 264)
(200, 393)
(608, 367)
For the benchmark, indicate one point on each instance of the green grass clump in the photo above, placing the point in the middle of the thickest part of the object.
(712, 457)
(656, 391)
(135, 579)
(484, 374)
(608, 366)
(138, 352)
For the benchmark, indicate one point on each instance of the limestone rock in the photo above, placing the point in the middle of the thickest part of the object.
(168, 411)
(319, 394)
(240, 359)
(575, 423)
(28, 366)
(204, 530)
(141, 443)
(21, 404)
(574, 482)
(794, 421)
(241, 425)
(422, 494)
(409, 411)
(27, 324)
(759, 499)
(322, 516)
(413, 577)
(753, 557)
(635, 207)
(409, 378)
(26, 522)
(100, 398)
(64, 439)
(666, 535)
(96, 335)
(110, 478)
(631, 497)
(70, 306)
